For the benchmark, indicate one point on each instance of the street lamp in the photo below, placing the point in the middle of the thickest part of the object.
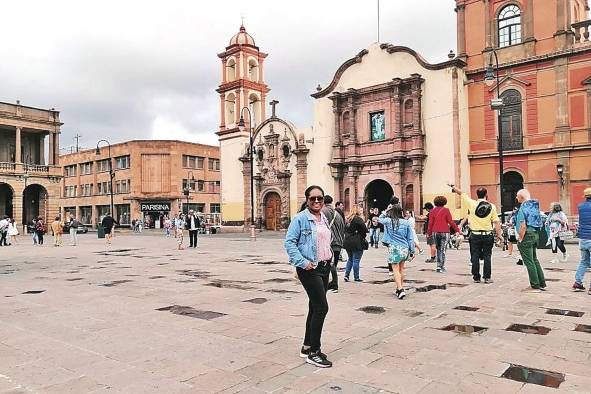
(491, 75)
(241, 126)
(188, 188)
(111, 173)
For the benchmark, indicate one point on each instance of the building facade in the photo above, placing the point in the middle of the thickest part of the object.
(389, 122)
(30, 175)
(544, 58)
(150, 180)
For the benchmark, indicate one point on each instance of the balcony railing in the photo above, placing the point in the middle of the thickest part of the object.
(512, 143)
(581, 30)
(36, 168)
(32, 169)
(7, 167)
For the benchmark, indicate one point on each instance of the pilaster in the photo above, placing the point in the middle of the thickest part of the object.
(461, 31)
(18, 153)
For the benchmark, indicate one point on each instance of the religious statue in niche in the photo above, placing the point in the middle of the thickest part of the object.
(377, 126)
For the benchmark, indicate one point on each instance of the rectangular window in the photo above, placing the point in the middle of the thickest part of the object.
(122, 162)
(213, 164)
(214, 208)
(70, 170)
(123, 186)
(101, 211)
(194, 162)
(86, 168)
(192, 184)
(102, 165)
(122, 212)
(68, 211)
(70, 191)
(377, 126)
(200, 186)
(200, 207)
(86, 215)
(104, 187)
(86, 189)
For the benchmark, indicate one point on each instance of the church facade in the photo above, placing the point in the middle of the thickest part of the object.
(388, 123)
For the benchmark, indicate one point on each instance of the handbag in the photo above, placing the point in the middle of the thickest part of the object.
(364, 243)
(566, 235)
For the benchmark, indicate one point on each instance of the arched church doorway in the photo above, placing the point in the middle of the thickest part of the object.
(378, 194)
(512, 183)
(6, 195)
(272, 211)
(34, 203)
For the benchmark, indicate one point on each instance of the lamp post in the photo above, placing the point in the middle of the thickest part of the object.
(241, 126)
(188, 188)
(492, 75)
(111, 173)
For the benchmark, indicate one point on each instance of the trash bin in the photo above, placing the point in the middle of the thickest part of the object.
(100, 231)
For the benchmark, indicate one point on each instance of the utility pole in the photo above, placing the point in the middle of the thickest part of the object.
(77, 138)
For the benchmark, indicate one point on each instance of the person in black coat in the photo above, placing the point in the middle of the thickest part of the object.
(355, 242)
(193, 224)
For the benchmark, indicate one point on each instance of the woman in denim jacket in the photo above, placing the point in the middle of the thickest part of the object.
(307, 243)
(398, 235)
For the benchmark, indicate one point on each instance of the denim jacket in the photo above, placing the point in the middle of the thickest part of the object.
(300, 241)
(529, 212)
(402, 236)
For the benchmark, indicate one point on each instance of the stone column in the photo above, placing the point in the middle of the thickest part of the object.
(51, 149)
(224, 70)
(56, 148)
(461, 26)
(246, 183)
(488, 21)
(563, 157)
(302, 172)
(560, 37)
(18, 154)
(529, 20)
(223, 111)
(42, 149)
(562, 131)
(456, 136)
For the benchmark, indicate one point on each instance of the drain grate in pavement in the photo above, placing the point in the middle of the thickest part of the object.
(281, 271)
(195, 273)
(74, 279)
(427, 270)
(258, 300)
(533, 376)
(115, 283)
(466, 308)
(554, 269)
(527, 329)
(415, 281)
(427, 288)
(34, 292)
(551, 280)
(412, 313)
(278, 280)
(282, 291)
(191, 312)
(583, 328)
(384, 267)
(464, 328)
(228, 284)
(157, 277)
(464, 274)
(381, 282)
(457, 285)
(564, 312)
(267, 262)
(374, 310)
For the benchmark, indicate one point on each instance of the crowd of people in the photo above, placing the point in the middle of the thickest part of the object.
(319, 233)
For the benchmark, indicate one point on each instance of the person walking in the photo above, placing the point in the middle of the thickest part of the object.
(410, 216)
(73, 225)
(308, 245)
(556, 222)
(433, 256)
(337, 229)
(400, 238)
(108, 224)
(528, 222)
(12, 231)
(483, 217)
(584, 241)
(4, 224)
(178, 229)
(374, 227)
(355, 242)
(167, 226)
(440, 222)
(340, 208)
(193, 224)
(57, 228)
(41, 229)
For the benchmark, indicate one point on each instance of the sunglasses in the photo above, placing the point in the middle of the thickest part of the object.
(316, 199)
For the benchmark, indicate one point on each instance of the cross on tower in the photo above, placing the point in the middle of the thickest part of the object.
(273, 104)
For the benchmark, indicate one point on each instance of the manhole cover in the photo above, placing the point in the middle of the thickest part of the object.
(527, 329)
(259, 300)
(533, 376)
(115, 283)
(192, 312)
(427, 288)
(34, 292)
(466, 308)
(464, 328)
(372, 309)
(583, 328)
(564, 312)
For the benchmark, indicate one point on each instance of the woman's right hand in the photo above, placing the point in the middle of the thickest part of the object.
(309, 267)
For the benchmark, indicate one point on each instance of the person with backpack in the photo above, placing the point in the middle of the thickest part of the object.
(40, 229)
(528, 223)
(483, 219)
(355, 242)
(193, 224)
(73, 225)
(555, 224)
(337, 228)
(440, 225)
(4, 224)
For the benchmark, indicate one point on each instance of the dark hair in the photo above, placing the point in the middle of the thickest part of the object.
(394, 200)
(310, 188)
(428, 205)
(328, 199)
(395, 214)
(481, 192)
(57, 218)
(440, 201)
(556, 207)
(339, 203)
(303, 206)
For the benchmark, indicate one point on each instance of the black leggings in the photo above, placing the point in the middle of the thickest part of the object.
(334, 283)
(558, 243)
(315, 283)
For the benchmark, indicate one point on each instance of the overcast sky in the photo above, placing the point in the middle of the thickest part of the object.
(148, 69)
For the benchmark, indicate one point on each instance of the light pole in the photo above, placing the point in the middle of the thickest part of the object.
(241, 126)
(188, 188)
(492, 74)
(111, 173)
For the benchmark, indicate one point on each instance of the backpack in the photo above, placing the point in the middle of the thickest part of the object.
(483, 209)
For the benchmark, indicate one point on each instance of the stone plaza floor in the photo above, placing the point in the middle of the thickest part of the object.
(142, 317)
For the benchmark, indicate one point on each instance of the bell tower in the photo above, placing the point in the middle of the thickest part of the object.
(242, 85)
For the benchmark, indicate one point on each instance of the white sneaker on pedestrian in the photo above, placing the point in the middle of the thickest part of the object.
(390, 273)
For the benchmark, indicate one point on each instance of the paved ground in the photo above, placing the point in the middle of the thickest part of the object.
(91, 319)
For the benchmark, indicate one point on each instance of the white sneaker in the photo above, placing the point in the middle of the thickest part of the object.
(390, 273)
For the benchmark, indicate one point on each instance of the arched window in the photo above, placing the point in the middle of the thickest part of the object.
(231, 70)
(255, 109)
(408, 115)
(511, 120)
(260, 154)
(346, 122)
(286, 151)
(230, 109)
(253, 70)
(512, 183)
(509, 26)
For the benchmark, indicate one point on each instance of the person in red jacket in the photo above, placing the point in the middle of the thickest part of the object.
(440, 221)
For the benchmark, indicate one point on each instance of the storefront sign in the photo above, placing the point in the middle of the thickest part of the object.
(155, 206)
